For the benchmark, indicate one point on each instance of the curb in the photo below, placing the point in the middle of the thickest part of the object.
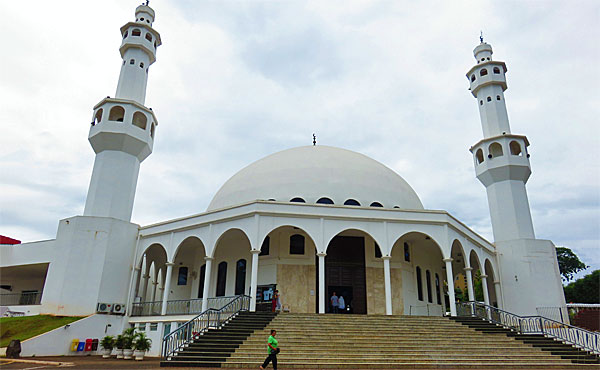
(37, 362)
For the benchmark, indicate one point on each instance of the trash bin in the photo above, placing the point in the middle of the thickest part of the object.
(95, 344)
(74, 344)
(80, 346)
(88, 345)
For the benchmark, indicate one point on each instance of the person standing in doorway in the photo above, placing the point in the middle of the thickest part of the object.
(334, 303)
(272, 350)
(274, 300)
(341, 304)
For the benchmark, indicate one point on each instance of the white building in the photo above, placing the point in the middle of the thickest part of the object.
(307, 221)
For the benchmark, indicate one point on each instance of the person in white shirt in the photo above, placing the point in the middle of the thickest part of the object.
(341, 304)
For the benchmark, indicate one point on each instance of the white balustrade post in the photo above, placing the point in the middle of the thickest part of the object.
(254, 280)
(486, 296)
(450, 278)
(388, 284)
(468, 272)
(321, 282)
(207, 282)
(167, 285)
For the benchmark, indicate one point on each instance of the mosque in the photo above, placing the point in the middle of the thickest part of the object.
(306, 221)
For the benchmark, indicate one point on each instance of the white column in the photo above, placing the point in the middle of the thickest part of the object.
(207, 278)
(497, 289)
(486, 296)
(321, 282)
(145, 287)
(154, 283)
(470, 283)
(167, 285)
(450, 278)
(388, 284)
(254, 280)
(134, 288)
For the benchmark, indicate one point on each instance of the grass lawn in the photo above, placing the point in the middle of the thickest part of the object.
(29, 326)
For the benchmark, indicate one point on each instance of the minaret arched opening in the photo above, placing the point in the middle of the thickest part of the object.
(140, 120)
(496, 150)
(117, 113)
(515, 148)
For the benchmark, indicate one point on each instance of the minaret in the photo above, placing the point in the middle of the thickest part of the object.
(501, 159)
(527, 269)
(122, 132)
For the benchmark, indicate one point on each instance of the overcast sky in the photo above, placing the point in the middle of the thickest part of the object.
(238, 80)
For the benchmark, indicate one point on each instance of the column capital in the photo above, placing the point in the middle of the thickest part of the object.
(255, 251)
(483, 276)
(386, 258)
(137, 268)
(146, 276)
(497, 282)
(155, 282)
(321, 254)
(208, 258)
(447, 260)
(468, 269)
(170, 264)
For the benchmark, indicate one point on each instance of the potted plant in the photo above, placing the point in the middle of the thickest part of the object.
(128, 336)
(107, 343)
(119, 341)
(141, 344)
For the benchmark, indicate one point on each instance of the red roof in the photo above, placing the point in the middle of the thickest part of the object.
(7, 240)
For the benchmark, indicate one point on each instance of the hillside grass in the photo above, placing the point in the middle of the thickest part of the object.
(26, 327)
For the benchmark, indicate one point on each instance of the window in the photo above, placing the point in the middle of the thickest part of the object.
(376, 204)
(264, 248)
(428, 278)
(141, 19)
(202, 280)
(182, 276)
(296, 244)
(419, 284)
(132, 61)
(377, 251)
(221, 279)
(116, 114)
(139, 120)
(149, 37)
(351, 202)
(153, 326)
(437, 289)
(497, 97)
(515, 148)
(141, 64)
(152, 130)
(240, 277)
(98, 116)
(496, 150)
(479, 156)
(406, 252)
(298, 200)
(481, 102)
(125, 34)
(473, 78)
(142, 326)
(136, 32)
(496, 70)
(483, 72)
(489, 99)
(325, 200)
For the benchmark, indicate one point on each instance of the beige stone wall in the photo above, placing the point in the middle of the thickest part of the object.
(295, 283)
(376, 291)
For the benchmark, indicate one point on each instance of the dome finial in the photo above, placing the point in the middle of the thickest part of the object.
(314, 139)
(481, 36)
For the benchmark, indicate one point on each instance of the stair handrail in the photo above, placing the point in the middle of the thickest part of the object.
(192, 329)
(574, 335)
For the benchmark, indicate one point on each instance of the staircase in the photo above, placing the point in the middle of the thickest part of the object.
(392, 342)
(565, 351)
(215, 346)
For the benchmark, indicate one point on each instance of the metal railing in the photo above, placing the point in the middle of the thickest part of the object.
(555, 313)
(426, 310)
(20, 299)
(578, 337)
(211, 318)
(178, 307)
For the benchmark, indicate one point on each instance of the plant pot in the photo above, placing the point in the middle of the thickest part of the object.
(106, 352)
(127, 353)
(139, 355)
(119, 352)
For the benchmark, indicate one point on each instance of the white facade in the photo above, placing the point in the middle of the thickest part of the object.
(305, 205)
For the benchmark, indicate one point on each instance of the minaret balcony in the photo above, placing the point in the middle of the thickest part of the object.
(123, 125)
(487, 73)
(501, 158)
(142, 36)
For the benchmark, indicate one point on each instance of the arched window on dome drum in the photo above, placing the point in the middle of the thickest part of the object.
(428, 280)
(221, 279)
(149, 37)
(264, 248)
(496, 150)
(136, 32)
(473, 78)
(483, 72)
(296, 244)
(298, 200)
(125, 34)
(139, 120)
(202, 280)
(479, 156)
(182, 276)
(240, 276)
(419, 284)
(98, 116)
(396, 206)
(377, 251)
(406, 252)
(515, 148)
(496, 70)
(351, 202)
(117, 113)
(325, 200)
(152, 130)
(376, 204)
(437, 289)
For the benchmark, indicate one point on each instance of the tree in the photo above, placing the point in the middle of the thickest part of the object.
(568, 263)
(584, 290)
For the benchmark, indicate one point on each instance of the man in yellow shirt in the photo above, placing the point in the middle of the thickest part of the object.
(272, 350)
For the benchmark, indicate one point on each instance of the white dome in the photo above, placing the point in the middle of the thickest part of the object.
(315, 172)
